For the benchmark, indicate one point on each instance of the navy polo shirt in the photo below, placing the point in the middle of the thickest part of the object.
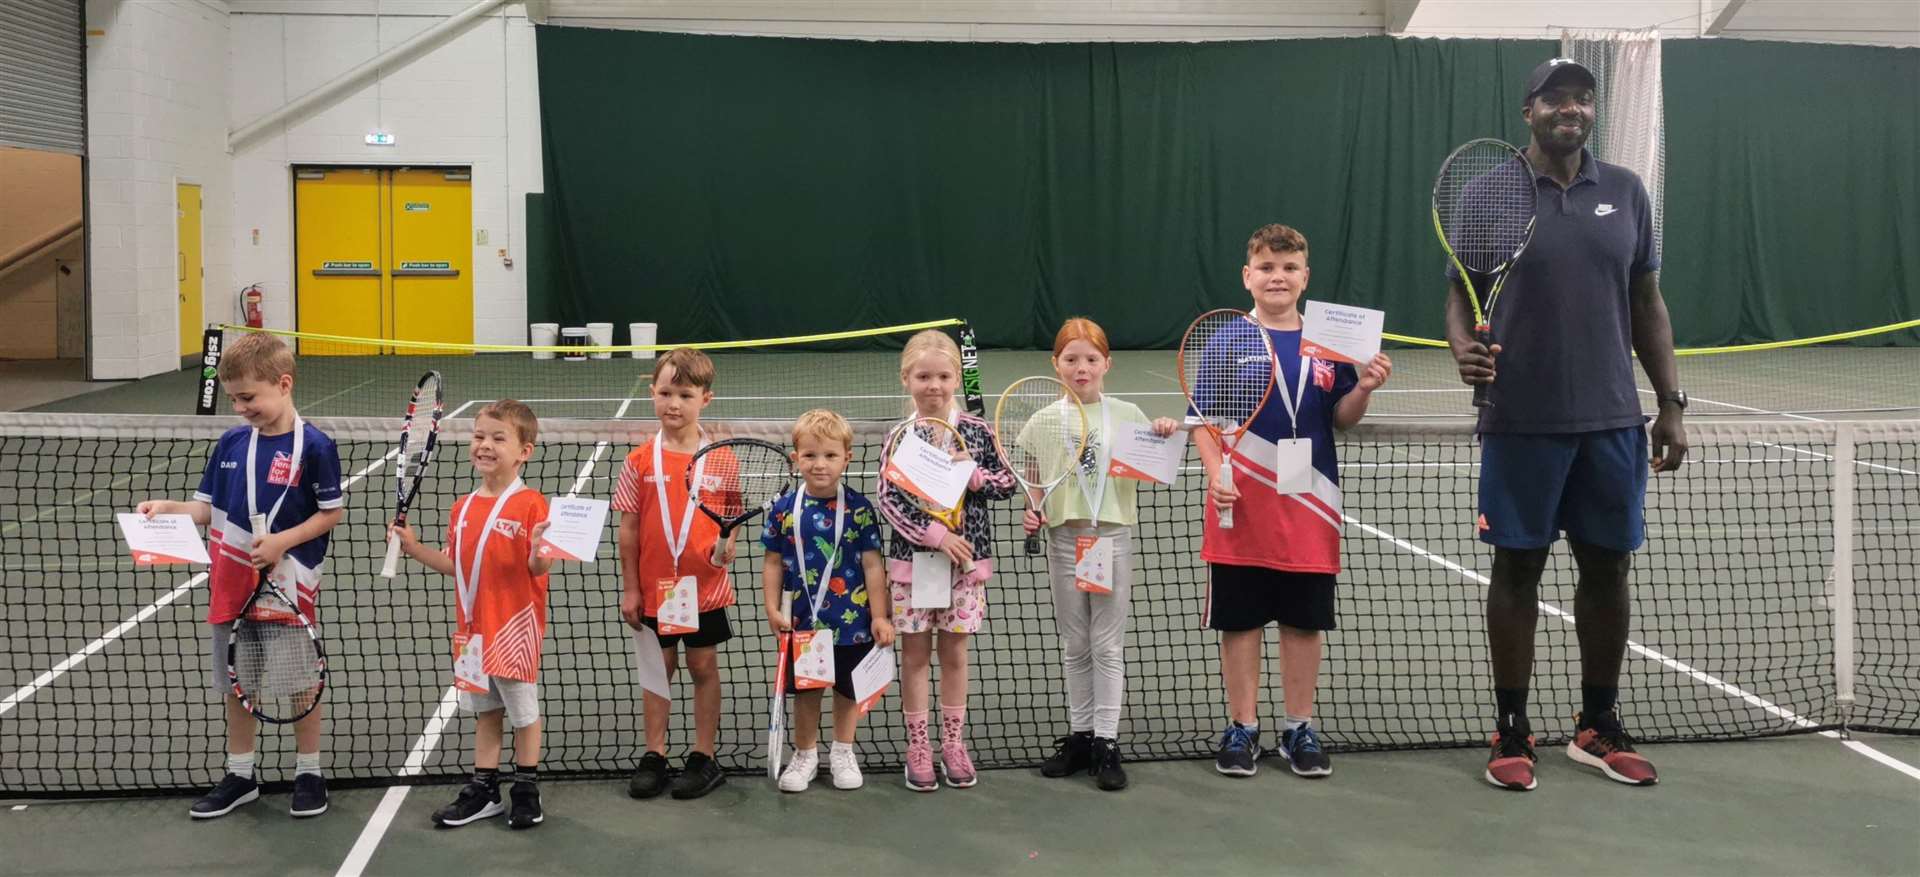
(1563, 319)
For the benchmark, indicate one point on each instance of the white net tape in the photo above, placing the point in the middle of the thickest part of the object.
(1631, 129)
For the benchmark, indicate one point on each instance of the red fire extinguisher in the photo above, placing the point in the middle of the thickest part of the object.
(250, 306)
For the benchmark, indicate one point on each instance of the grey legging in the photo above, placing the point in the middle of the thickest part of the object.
(1093, 631)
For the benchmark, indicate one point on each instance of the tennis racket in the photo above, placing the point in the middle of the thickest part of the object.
(777, 714)
(1041, 430)
(417, 442)
(1226, 372)
(743, 478)
(943, 437)
(1483, 211)
(274, 661)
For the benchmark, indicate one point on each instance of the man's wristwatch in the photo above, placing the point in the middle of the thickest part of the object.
(1677, 397)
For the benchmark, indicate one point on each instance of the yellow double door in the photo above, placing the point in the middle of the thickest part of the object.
(383, 253)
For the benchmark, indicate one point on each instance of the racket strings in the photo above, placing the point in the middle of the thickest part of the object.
(1485, 201)
(1043, 434)
(1226, 368)
(278, 667)
(744, 476)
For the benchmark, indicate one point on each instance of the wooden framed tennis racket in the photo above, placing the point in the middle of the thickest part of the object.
(1484, 209)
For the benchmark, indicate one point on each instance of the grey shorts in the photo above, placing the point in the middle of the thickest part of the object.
(520, 699)
(217, 635)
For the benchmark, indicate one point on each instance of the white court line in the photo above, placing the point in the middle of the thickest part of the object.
(1670, 663)
(456, 412)
(429, 739)
(121, 629)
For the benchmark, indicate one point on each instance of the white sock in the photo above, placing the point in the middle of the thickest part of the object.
(306, 762)
(839, 747)
(1293, 723)
(240, 764)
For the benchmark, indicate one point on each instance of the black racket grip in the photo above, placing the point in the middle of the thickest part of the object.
(1033, 543)
(1480, 399)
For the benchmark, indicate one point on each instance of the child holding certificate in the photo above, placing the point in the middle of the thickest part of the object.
(1089, 523)
(823, 552)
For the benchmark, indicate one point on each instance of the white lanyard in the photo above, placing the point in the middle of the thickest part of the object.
(800, 549)
(293, 472)
(1290, 403)
(466, 586)
(677, 544)
(1103, 459)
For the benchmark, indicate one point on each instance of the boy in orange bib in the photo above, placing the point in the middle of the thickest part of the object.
(500, 585)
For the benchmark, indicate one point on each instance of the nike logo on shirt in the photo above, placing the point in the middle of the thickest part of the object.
(1603, 210)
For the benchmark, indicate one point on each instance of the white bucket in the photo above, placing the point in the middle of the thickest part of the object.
(575, 337)
(543, 335)
(643, 333)
(602, 336)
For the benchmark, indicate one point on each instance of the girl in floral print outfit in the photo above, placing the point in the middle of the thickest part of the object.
(930, 372)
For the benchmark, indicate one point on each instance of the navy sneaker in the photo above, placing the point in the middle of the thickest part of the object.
(1239, 748)
(309, 795)
(1301, 748)
(232, 791)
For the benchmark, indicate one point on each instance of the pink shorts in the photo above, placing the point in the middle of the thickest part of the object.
(963, 615)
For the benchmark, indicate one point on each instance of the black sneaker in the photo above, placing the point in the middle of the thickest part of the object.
(1239, 748)
(1071, 755)
(700, 776)
(1107, 772)
(1301, 748)
(309, 795)
(477, 801)
(650, 778)
(232, 791)
(526, 806)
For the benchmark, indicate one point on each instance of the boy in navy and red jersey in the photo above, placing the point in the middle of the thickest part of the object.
(1278, 565)
(280, 466)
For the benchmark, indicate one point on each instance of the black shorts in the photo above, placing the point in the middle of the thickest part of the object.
(845, 658)
(1249, 597)
(714, 630)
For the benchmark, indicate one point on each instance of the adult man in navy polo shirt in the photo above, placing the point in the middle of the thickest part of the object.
(1564, 446)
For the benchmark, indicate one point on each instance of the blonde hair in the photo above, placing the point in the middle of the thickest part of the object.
(1081, 329)
(925, 343)
(691, 368)
(516, 413)
(823, 424)
(256, 356)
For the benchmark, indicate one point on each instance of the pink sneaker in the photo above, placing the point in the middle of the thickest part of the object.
(957, 765)
(919, 758)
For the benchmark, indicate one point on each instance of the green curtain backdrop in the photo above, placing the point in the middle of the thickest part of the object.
(734, 187)
(1793, 189)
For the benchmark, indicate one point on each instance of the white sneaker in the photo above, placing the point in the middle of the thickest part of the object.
(846, 767)
(800, 771)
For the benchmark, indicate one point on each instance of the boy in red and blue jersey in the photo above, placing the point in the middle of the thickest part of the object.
(1278, 565)
(286, 469)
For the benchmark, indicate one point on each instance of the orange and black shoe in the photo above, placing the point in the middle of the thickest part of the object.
(1606, 745)
(1510, 766)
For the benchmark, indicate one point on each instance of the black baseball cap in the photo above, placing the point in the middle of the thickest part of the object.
(1554, 70)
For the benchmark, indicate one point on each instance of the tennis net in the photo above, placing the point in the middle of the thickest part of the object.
(1754, 550)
